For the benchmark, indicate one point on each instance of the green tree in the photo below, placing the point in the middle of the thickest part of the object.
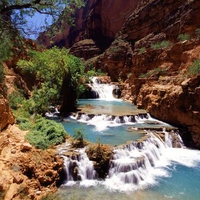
(17, 13)
(56, 72)
(15, 16)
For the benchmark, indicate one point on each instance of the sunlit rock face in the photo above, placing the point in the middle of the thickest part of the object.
(6, 116)
(171, 17)
(25, 167)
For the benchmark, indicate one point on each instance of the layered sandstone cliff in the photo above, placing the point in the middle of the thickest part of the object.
(99, 21)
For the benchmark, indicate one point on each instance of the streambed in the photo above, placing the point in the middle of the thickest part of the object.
(151, 170)
(104, 120)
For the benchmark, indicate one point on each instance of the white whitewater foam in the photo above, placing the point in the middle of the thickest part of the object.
(154, 151)
(100, 122)
(103, 122)
(149, 120)
(183, 156)
(132, 167)
(105, 91)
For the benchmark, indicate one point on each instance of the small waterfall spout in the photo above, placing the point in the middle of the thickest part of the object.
(78, 167)
(103, 91)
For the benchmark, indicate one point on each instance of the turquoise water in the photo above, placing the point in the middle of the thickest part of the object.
(112, 135)
(108, 132)
(111, 107)
(183, 183)
(176, 176)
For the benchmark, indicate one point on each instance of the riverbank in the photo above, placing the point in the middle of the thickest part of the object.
(26, 172)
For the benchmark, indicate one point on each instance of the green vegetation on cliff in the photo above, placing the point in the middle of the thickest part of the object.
(1, 73)
(194, 69)
(162, 44)
(78, 140)
(51, 70)
(183, 37)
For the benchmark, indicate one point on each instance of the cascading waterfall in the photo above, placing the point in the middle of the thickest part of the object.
(77, 167)
(157, 161)
(132, 164)
(130, 167)
(103, 91)
(140, 118)
(103, 117)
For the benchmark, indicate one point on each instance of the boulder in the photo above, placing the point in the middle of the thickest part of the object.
(6, 116)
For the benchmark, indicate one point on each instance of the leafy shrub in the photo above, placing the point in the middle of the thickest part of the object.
(142, 50)
(24, 123)
(51, 68)
(159, 45)
(183, 37)
(197, 32)
(22, 112)
(92, 72)
(1, 73)
(195, 67)
(5, 44)
(15, 99)
(43, 133)
(46, 133)
(78, 134)
(78, 138)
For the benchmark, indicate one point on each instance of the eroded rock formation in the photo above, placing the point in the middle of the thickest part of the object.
(100, 155)
(6, 116)
(25, 172)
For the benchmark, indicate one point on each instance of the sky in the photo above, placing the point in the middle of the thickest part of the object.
(35, 24)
